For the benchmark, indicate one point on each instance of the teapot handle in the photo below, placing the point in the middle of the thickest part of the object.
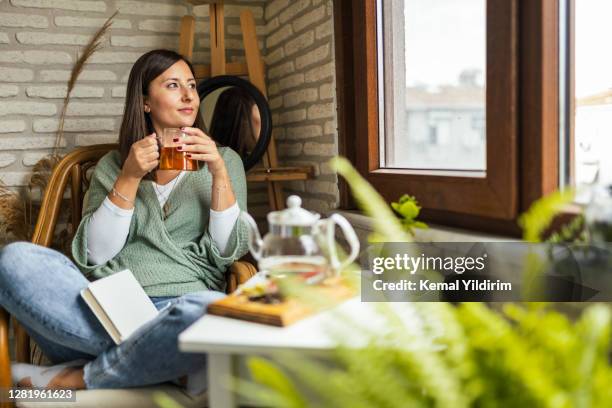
(349, 234)
(254, 236)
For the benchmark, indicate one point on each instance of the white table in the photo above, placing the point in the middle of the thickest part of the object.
(222, 338)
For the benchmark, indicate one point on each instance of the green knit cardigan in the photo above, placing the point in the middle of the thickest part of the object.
(174, 256)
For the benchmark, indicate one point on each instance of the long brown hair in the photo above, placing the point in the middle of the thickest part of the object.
(137, 124)
(231, 123)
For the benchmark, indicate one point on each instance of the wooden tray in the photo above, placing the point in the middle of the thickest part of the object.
(280, 314)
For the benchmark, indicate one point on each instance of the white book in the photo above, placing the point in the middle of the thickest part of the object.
(120, 303)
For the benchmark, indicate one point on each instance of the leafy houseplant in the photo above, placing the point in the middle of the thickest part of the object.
(408, 209)
(523, 355)
(531, 357)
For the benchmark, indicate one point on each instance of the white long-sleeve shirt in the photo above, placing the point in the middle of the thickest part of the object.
(109, 226)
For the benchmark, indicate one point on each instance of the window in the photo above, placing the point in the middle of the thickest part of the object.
(432, 84)
(587, 102)
(451, 102)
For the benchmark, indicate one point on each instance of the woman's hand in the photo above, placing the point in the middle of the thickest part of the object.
(199, 146)
(143, 157)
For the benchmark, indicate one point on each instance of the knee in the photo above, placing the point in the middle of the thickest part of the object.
(190, 307)
(17, 249)
(13, 255)
(204, 297)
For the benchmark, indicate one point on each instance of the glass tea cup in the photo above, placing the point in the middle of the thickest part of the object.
(169, 157)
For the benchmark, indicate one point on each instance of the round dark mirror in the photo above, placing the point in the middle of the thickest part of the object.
(236, 114)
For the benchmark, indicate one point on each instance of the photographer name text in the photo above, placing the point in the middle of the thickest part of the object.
(428, 285)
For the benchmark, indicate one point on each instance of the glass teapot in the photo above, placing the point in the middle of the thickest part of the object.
(299, 242)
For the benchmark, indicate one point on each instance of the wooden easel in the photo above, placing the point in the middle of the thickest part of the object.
(271, 173)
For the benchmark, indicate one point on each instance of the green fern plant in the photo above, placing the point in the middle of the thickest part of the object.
(542, 212)
(574, 232)
(534, 223)
(520, 356)
(482, 358)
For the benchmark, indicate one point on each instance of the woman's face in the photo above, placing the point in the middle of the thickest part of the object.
(173, 100)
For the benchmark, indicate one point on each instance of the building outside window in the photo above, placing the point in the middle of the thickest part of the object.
(438, 87)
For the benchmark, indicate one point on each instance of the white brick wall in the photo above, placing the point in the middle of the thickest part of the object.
(76, 5)
(41, 39)
(35, 57)
(7, 159)
(8, 90)
(301, 86)
(12, 126)
(36, 108)
(23, 20)
(151, 9)
(71, 21)
(59, 92)
(8, 74)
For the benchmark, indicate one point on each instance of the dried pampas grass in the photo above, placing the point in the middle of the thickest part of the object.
(43, 169)
(13, 225)
(90, 49)
(41, 174)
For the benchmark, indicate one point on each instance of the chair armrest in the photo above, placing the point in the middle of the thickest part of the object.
(239, 272)
(5, 358)
(22, 342)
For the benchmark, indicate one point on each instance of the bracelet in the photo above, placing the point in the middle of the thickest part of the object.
(121, 196)
(219, 189)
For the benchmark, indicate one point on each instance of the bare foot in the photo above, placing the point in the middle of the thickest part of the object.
(25, 383)
(69, 377)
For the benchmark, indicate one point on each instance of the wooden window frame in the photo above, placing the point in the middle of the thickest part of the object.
(522, 117)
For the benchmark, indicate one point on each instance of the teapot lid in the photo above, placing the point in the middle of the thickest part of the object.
(294, 214)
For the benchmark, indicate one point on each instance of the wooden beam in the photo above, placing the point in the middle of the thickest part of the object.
(345, 91)
(256, 76)
(231, 68)
(22, 342)
(539, 104)
(280, 174)
(251, 51)
(217, 40)
(186, 37)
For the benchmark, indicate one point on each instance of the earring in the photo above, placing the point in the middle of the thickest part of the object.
(147, 110)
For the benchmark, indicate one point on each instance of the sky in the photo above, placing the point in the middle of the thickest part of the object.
(593, 50)
(443, 38)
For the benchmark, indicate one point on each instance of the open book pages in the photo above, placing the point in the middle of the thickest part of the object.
(120, 304)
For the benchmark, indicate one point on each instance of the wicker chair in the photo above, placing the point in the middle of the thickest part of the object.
(74, 170)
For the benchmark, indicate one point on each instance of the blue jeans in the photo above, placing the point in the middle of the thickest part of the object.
(41, 288)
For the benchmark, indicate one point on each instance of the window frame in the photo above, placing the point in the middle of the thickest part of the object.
(522, 117)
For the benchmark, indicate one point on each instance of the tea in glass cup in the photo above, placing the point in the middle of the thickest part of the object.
(169, 157)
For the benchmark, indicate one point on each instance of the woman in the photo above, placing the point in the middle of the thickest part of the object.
(176, 231)
(236, 122)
